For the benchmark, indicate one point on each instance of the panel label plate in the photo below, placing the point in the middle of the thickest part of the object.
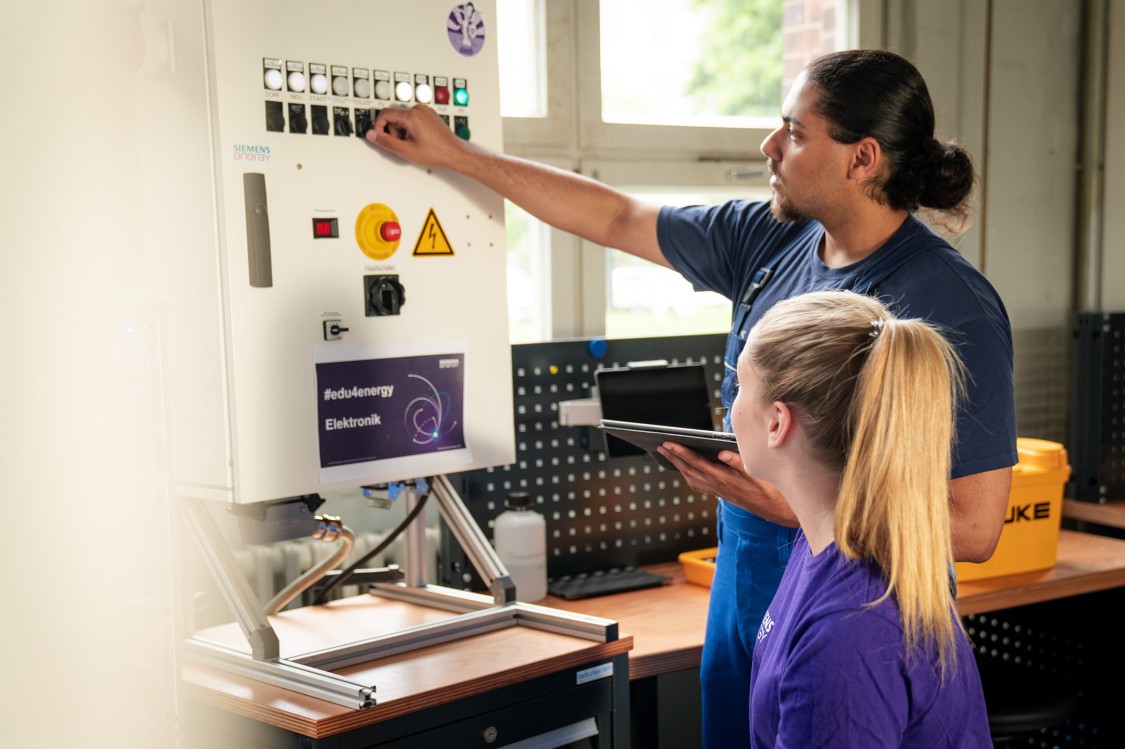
(375, 404)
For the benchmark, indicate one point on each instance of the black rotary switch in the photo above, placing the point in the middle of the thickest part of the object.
(320, 124)
(363, 121)
(275, 117)
(298, 120)
(343, 120)
(385, 295)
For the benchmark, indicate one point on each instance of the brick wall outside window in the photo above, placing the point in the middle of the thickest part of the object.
(808, 30)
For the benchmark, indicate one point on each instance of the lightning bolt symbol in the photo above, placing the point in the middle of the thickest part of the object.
(433, 237)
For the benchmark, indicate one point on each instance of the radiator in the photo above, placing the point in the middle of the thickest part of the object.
(270, 567)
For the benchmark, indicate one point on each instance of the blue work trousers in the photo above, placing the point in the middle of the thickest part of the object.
(752, 556)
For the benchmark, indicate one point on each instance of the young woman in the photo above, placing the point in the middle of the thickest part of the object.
(850, 412)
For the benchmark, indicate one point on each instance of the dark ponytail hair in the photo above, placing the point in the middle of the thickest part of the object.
(872, 93)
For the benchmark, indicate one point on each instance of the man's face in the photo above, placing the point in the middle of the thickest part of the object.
(808, 169)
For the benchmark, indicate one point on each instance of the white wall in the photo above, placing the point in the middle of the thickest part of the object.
(1007, 78)
(1004, 77)
(1113, 248)
(87, 628)
(1032, 149)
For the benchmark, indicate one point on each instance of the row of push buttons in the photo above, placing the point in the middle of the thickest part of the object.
(362, 83)
(337, 120)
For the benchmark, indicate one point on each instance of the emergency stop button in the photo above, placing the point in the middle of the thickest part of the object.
(377, 231)
(390, 231)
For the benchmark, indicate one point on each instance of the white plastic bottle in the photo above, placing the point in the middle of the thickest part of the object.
(520, 537)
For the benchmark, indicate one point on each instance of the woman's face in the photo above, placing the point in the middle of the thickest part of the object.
(750, 419)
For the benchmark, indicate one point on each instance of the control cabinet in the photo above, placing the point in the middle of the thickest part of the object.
(350, 325)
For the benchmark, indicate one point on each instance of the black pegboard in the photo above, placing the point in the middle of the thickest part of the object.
(1074, 642)
(602, 513)
(1097, 433)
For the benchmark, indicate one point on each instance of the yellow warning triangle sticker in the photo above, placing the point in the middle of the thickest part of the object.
(432, 240)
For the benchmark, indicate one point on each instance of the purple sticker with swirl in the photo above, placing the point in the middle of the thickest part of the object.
(465, 27)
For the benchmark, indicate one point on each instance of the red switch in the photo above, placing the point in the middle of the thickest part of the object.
(441, 94)
(390, 231)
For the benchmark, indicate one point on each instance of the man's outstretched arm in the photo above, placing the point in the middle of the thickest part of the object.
(565, 200)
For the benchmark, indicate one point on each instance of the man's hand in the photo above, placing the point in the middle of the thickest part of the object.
(727, 478)
(418, 135)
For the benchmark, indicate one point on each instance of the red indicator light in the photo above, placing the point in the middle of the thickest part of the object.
(441, 94)
(390, 231)
(325, 228)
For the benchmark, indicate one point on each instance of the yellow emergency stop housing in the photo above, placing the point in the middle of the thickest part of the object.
(377, 231)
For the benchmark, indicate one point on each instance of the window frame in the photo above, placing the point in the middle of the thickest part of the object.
(732, 143)
(555, 131)
(657, 158)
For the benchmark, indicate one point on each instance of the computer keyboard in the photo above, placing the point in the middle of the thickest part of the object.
(588, 585)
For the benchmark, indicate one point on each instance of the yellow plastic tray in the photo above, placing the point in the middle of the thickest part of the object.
(699, 566)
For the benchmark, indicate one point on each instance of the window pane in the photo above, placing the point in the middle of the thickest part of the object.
(528, 285)
(522, 53)
(707, 62)
(644, 299)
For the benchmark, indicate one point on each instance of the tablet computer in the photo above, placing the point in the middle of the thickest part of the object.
(645, 393)
(648, 437)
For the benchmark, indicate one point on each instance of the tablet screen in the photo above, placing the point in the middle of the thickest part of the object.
(674, 395)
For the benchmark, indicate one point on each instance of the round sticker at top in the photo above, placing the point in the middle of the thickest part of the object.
(466, 29)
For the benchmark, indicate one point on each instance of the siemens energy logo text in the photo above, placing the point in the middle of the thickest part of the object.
(244, 152)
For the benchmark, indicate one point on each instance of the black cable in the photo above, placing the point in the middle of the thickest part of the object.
(338, 580)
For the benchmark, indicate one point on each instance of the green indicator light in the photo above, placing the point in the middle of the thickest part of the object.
(460, 97)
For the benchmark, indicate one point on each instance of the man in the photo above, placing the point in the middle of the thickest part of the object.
(855, 156)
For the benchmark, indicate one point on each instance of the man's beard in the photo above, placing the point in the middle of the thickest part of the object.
(784, 211)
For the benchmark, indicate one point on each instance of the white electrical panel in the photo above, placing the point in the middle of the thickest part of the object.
(359, 331)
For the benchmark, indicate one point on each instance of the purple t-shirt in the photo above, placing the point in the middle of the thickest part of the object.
(829, 672)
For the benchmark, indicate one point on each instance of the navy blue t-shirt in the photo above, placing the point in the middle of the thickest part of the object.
(720, 248)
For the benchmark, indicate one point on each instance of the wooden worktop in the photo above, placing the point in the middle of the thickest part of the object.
(1086, 563)
(671, 621)
(668, 623)
(665, 629)
(404, 683)
(1111, 514)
